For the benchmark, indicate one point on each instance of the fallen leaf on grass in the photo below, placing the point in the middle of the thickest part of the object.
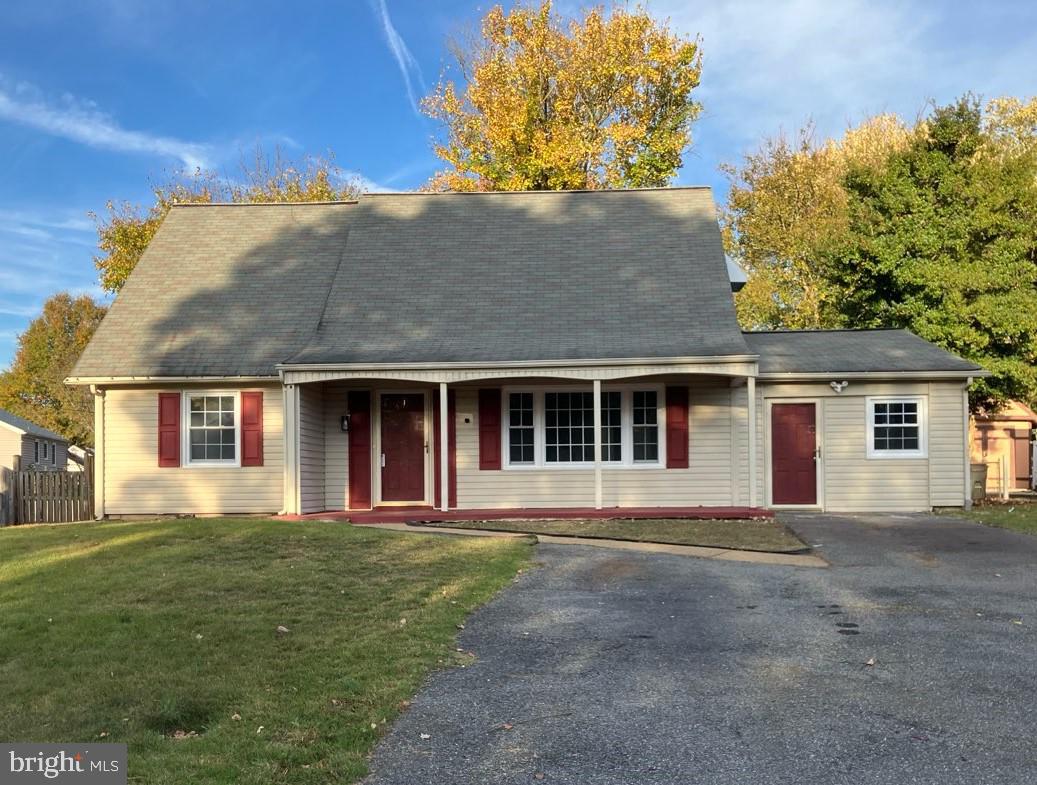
(870, 662)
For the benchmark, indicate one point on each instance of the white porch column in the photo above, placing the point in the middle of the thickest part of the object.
(597, 444)
(751, 408)
(291, 449)
(98, 478)
(444, 449)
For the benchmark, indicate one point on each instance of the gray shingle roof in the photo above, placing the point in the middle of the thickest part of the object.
(29, 427)
(223, 290)
(851, 351)
(530, 276)
(234, 290)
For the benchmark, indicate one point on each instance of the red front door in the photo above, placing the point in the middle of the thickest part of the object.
(793, 446)
(403, 447)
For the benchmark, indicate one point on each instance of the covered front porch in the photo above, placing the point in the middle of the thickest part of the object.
(382, 445)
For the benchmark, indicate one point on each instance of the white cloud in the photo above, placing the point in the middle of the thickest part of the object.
(81, 121)
(770, 66)
(409, 68)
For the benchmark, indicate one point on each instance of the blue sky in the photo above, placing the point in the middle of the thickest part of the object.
(99, 99)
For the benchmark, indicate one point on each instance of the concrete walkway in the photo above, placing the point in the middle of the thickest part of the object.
(699, 551)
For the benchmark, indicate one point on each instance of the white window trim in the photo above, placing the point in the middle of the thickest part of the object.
(626, 417)
(923, 428)
(185, 431)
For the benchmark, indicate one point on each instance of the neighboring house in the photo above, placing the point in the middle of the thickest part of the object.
(315, 357)
(39, 448)
(1003, 442)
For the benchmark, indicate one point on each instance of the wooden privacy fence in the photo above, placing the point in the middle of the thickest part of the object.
(45, 497)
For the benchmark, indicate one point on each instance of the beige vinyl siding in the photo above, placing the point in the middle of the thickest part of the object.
(135, 485)
(311, 449)
(708, 480)
(336, 448)
(853, 482)
(10, 446)
(946, 445)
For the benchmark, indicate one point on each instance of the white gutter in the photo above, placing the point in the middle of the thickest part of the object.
(92, 380)
(435, 366)
(893, 375)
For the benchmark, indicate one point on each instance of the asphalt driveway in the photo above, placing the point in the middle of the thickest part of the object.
(613, 668)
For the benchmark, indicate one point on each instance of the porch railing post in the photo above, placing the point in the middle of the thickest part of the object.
(444, 451)
(751, 410)
(597, 445)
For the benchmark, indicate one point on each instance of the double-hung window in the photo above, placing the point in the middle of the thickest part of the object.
(555, 428)
(896, 427)
(212, 428)
(521, 444)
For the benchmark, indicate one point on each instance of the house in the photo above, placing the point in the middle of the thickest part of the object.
(454, 350)
(1002, 441)
(37, 447)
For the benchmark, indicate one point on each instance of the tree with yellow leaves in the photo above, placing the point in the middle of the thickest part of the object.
(125, 233)
(602, 102)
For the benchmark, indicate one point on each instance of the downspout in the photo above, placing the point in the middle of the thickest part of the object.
(967, 443)
(750, 383)
(98, 477)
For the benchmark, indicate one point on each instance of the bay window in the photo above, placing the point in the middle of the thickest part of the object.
(555, 427)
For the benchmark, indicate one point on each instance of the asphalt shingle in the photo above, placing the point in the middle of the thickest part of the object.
(851, 351)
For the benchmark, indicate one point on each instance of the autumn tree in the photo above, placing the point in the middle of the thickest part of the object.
(125, 231)
(599, 102)
(786, 208)
(942, 240)
(34, 386)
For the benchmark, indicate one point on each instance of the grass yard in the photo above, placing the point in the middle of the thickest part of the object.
(1020, 517)
(758, 535)
(164, 635)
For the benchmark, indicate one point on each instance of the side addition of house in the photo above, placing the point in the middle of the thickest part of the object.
(492, 351)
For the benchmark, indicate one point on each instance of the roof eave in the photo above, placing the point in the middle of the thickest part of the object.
(823, 375)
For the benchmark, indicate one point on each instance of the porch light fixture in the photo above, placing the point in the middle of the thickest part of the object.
(839, 386)
(344, 423)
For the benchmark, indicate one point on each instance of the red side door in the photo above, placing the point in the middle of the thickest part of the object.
(403, 447)
(793, 446)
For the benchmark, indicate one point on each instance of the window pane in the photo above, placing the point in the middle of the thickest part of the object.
(646, 426)
(569, 417)
(520, 427)
(212, 435)
(896, 426)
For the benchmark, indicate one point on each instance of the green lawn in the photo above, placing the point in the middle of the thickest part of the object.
(149, 633)
(756, 535)
(1020, 517)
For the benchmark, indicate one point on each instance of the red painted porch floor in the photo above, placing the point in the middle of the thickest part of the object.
(404, 514)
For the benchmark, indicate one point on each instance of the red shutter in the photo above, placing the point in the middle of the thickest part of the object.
(451, 446)
(489, 429)
(252, 429)
(168, 429)
(676, 427)
(359, 403)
